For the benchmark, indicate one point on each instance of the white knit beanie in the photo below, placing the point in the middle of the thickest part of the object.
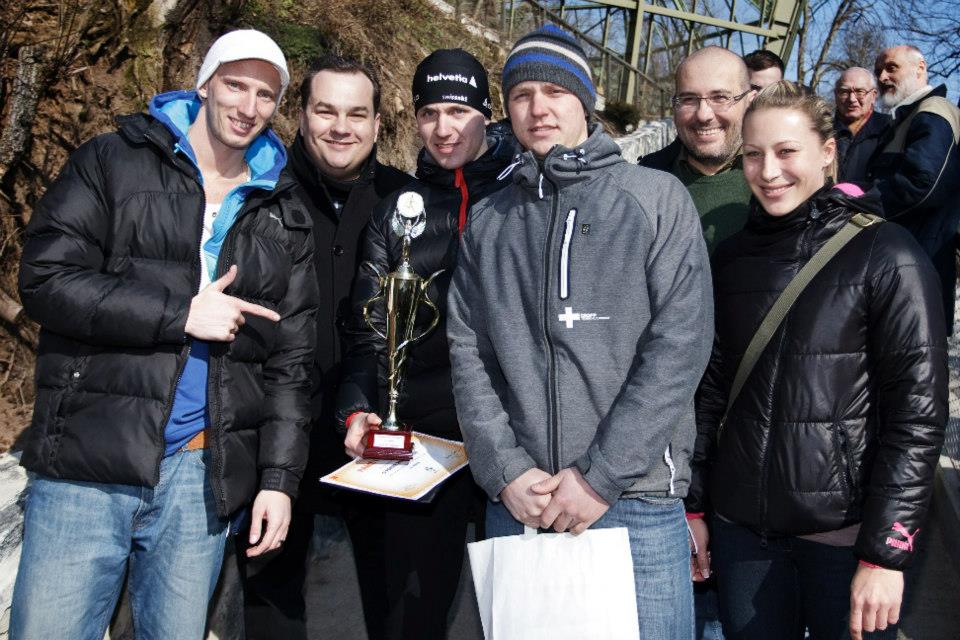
(245, 44)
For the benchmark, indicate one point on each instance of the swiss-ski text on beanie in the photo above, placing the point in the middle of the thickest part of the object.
(550, 54)
(451, 75)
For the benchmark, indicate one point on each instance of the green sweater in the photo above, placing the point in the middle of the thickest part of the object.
(722, 200)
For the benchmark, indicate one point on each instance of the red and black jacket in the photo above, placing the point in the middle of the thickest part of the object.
(426, 400)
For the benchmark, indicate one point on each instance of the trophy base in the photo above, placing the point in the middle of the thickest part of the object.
(383, 444)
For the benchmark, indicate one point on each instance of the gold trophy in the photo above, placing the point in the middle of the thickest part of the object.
(403, 291)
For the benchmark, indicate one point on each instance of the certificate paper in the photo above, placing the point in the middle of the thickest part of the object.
(434, 460)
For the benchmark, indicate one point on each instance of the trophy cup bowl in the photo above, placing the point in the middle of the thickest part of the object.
(402, 291)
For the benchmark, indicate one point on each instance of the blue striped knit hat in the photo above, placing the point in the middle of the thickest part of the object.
(549, 54)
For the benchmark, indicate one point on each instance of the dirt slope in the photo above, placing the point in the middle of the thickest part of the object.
(68, 67)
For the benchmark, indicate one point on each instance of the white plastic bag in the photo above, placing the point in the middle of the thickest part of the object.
(556, 586)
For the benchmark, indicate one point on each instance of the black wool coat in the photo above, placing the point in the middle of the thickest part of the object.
(920, 187)
(337, 240)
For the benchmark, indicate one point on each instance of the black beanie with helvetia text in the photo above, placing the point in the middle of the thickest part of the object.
(451, 75)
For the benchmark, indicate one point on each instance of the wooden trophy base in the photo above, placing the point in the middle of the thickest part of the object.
(382, 444)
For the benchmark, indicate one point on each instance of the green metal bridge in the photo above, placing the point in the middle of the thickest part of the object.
(635, 44)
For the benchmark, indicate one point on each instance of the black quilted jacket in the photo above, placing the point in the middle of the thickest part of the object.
(110, 265)
(426, 395)
(842, 419)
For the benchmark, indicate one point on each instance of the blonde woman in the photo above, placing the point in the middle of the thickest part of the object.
(819, 478)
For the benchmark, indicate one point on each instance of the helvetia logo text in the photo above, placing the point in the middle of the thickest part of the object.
(452, 77)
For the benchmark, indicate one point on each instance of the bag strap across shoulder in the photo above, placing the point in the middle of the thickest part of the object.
(932, 104)
(785, 301)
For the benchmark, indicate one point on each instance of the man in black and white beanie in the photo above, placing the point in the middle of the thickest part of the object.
(407, 596)
(549, 54)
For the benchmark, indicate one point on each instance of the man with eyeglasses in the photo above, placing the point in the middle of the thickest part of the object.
(859, 128)
(712, 94)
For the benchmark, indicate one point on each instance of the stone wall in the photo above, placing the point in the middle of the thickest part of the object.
(650, 136)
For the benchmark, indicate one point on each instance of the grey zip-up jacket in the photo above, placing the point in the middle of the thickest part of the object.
(580, 322)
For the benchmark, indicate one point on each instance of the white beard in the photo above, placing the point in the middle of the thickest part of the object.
(890, 100)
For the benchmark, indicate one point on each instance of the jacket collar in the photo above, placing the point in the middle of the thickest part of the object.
(908, 104)
(563, 165)
(177, 110)
(828, 207)
(308, 173)
(875, 125)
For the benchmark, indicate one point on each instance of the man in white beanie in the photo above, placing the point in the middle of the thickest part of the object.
(170, 268)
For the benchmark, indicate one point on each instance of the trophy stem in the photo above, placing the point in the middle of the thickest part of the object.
(392, 423)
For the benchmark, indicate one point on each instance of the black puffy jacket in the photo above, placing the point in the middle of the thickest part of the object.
(426, 395)
(110, 265)
(842, 418)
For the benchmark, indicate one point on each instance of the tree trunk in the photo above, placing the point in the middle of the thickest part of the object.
(28, 86)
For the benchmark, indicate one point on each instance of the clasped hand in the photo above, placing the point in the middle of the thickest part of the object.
(565, 501)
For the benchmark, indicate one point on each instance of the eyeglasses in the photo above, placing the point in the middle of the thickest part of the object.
(844, 92)
(719, 102)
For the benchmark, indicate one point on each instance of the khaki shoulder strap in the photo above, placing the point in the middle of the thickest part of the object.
(933, 104)
(785, 301)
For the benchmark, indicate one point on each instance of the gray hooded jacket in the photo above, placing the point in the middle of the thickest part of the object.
(580, 322)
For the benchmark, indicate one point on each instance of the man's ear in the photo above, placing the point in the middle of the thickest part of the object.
(376, 127)
(202, 91)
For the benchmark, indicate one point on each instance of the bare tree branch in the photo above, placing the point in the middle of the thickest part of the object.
(933, 28)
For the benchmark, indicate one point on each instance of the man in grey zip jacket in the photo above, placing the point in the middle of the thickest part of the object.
(580, 323)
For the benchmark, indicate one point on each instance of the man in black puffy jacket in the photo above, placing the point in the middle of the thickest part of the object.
(409, 554)
(170, 267)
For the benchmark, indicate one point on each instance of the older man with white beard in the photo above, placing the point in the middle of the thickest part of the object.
(916, 167)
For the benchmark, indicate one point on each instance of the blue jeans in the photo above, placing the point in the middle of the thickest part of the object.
(706, 607)
(661, 560)
(80, 537)
(777, 587)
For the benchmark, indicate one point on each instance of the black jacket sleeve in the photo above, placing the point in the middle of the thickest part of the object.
(284, 433)
(66, 283)
(711, 403)
(363, 349)
(908, 348)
